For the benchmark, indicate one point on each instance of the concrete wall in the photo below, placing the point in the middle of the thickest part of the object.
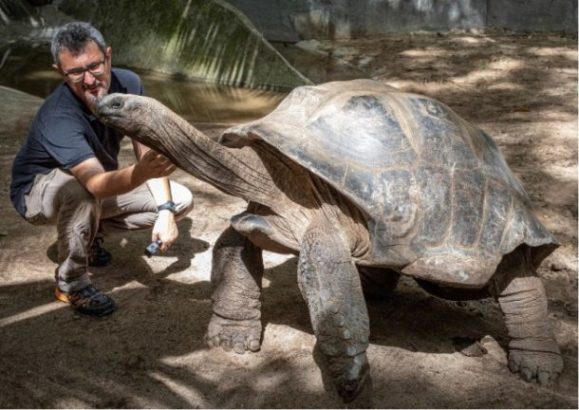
(533, 15)
(294, 20)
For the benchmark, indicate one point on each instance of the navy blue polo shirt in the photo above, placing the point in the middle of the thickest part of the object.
(65, 133)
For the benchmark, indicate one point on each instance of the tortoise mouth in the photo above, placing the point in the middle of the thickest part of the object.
(110, 107)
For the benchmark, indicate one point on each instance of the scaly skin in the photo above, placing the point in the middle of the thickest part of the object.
(236, 276)
(330, 284)
(533, 351)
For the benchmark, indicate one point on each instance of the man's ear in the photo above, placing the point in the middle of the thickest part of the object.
(109, 52)
(58, 69)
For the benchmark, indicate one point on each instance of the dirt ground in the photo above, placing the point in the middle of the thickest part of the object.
(521, 89)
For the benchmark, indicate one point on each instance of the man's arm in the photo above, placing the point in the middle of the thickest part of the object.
(159, 187)
(165, 228)
(102, 184)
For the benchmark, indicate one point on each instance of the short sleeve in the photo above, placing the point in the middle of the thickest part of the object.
(134, 84)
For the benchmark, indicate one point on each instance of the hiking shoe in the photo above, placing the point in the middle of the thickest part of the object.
(98, 256)
(88, 301)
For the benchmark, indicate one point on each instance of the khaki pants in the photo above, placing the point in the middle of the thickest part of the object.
(57, 198)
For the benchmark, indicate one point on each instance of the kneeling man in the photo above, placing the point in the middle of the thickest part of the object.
(67, 171)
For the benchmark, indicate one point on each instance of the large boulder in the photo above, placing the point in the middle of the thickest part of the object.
(18, 110)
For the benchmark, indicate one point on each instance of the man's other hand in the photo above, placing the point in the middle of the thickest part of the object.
(153, 165)
(165, 229)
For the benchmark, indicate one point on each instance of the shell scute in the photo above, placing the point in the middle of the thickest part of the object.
(435, 197)
(399, 202)
(362, 131)
(467, 207)
(439, 135)
(498, 202)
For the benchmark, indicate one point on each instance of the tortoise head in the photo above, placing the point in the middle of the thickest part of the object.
(142, 118)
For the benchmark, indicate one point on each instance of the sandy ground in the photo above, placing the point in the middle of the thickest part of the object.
(520, 89)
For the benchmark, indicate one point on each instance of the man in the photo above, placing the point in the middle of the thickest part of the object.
(67, 172)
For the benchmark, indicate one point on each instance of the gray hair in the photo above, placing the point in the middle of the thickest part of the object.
(74, 37)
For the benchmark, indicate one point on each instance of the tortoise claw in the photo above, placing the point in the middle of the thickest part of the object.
(544, 367)
(212, 341)
(237, 335)
(349, 375)
(527, 374)
(253, 345)
(545, 377)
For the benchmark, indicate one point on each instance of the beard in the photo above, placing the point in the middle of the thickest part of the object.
(93, 94)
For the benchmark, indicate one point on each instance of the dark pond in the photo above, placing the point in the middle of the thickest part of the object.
(27, 67)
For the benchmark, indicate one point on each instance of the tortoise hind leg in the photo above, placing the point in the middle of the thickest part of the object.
(329, 282)
(533, 350)
(236, 277)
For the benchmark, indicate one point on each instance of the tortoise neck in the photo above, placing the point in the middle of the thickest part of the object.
(233, 171)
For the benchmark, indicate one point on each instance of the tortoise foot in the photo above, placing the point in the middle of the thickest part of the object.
(237, 335)
(349, 375)
(543, 367)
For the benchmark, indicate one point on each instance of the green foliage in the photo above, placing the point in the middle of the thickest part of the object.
(16, 10)
(195, 38)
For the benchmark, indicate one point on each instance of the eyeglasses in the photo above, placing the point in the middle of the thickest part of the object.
(77, 74)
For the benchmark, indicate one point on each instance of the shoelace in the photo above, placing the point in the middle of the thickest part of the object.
(89, 294)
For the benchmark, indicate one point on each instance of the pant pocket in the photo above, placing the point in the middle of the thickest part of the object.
(35, 198)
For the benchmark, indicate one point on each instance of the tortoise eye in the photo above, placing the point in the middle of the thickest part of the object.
(117, 104)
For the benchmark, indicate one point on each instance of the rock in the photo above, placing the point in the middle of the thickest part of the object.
(494, 351)
(468, 347)
(557, 266)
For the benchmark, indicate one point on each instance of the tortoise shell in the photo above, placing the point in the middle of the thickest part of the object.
(440, 201)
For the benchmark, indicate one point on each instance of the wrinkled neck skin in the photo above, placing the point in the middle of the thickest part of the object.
(237, 172)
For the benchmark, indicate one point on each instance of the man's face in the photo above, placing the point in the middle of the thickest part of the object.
(88, 74)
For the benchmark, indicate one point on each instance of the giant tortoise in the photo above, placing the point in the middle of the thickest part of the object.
(354, 177)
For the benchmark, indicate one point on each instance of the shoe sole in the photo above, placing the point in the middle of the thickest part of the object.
(102, 313)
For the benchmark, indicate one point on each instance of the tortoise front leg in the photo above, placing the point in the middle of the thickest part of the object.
(330, 284)
(236, 277)
(533, 350)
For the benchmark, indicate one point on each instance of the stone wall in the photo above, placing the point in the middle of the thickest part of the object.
(294, 20)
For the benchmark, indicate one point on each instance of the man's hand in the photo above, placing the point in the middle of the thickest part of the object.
(153, 165)
(165, 229)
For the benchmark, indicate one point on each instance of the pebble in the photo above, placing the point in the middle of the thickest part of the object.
(557, 266)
